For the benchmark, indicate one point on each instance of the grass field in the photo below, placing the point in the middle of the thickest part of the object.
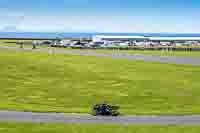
(25, 46)
(75, 128)
(59, 83)
(13, 40)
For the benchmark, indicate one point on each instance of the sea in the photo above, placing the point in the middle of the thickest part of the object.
(51, 35)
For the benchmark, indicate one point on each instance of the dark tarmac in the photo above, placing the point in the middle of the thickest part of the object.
(13, 116)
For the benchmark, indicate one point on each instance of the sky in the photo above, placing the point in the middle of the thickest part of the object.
(131, 16)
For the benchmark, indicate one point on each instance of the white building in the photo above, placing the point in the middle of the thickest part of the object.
(100, 38)
(174, 38)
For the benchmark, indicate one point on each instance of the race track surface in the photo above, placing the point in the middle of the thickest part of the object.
(13, 116)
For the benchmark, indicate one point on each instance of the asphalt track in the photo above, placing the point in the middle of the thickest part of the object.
(148, 58)
(13, 116)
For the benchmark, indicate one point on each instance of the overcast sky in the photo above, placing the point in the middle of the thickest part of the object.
(100, 16)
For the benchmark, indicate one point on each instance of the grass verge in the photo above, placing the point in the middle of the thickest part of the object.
(76, 128)
(59, 83)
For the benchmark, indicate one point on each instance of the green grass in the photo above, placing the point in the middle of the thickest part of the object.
(59, 83)
(84, 128)
(24, 46)
(8, 44)
(14, 40)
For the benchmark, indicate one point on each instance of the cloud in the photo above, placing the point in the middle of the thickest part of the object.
(10, 22)
(21, 23)
(10, 29)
